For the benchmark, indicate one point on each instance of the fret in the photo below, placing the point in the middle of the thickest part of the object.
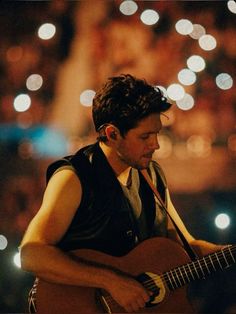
(212, 263)
(231, 254)
(186, 274)
(199, 269)
(218, 260)
(173, 281)
(170, 281)
(206, 265)
(196, 270)
(226, 261)
(181, 274)
(200, 266)
(177, 277)
(191, 271)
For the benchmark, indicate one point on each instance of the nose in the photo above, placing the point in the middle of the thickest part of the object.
(154, 143)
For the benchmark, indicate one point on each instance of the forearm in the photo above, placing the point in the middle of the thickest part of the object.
(52, 264)
(203, 248)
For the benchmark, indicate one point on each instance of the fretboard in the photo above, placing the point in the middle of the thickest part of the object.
(201, 268)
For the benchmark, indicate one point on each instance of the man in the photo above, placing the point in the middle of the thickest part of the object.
(98, 199)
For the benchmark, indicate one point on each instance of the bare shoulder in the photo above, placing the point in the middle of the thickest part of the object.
(60, 202)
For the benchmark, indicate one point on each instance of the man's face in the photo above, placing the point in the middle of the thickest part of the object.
(136, 148)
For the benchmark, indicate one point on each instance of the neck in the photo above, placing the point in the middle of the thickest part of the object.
(113, 159)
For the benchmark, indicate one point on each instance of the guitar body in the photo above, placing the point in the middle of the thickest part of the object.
(156, 255)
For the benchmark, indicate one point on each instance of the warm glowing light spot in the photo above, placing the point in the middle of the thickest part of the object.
(199, 146)
(14, 53)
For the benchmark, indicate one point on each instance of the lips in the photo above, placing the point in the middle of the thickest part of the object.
(149, 155)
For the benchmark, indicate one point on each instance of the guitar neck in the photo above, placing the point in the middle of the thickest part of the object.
(200, 268)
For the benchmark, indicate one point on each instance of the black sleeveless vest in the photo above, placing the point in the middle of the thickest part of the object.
(104, 220)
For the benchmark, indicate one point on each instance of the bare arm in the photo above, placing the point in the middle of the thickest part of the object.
(201, 247)
(41, 256)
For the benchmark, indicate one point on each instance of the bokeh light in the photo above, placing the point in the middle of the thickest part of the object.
(46, 31)
(207, 42)
(175, 91)
(34, 82)
(185, 103)
(86, 97)
(198, 31)
(22, 102)
(232, 6)
(187, 77)
(128, 7)
(224, 81)
(196, 63)
(16, 260)
(184, 27)
(222, 221)
(149, 17)
(3, 242)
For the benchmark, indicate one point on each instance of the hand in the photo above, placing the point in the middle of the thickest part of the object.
(128, 293)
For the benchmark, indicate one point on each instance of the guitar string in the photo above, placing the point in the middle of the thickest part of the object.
(157, 279)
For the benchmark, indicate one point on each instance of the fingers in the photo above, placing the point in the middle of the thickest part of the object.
(138, 302)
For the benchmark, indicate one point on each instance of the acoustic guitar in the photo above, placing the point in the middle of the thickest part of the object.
(160, 264)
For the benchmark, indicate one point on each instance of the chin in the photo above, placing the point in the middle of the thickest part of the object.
(143, 165)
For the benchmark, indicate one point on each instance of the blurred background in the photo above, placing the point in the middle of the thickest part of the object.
(53, 57)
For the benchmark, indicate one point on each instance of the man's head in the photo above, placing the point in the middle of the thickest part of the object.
(124, 101)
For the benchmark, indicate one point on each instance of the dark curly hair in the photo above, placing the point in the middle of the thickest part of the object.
(125, 100)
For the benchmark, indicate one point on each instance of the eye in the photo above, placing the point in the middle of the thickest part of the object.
(144, 136)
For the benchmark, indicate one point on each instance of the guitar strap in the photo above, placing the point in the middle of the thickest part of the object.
(187, 246)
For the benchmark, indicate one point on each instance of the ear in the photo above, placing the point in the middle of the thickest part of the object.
(111, 132)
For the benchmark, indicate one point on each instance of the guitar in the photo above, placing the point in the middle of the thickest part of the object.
(160, 264)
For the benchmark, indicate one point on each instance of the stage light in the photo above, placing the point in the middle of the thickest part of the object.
(128, 7)
(222, 221)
